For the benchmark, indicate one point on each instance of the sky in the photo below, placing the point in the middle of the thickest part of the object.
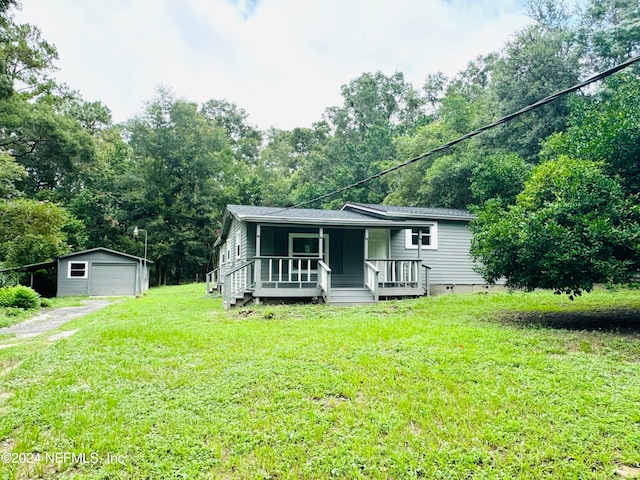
(282, 61)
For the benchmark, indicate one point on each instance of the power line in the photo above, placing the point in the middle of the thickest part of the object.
(511, 116)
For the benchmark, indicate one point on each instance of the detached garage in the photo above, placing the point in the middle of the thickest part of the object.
(102, 272)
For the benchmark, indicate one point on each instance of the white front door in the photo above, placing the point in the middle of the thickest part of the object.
(378, 244)
(378, 249)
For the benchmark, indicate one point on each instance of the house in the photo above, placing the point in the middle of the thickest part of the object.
(354, 255)
(96, 272)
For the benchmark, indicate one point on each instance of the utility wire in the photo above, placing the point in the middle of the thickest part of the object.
(539, 103)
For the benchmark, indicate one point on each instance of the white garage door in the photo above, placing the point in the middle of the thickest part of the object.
(112, 279)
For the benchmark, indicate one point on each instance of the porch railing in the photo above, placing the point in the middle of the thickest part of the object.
(372, 279)
(292, 272)
(400, 273)
(325, 281)
(212, 280)
(238, 281)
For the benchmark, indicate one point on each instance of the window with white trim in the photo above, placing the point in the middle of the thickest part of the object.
(238, 243)
(78, 270)
(426, 237)
(308, 245)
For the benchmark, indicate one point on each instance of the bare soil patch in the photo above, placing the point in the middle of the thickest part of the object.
(619, 320)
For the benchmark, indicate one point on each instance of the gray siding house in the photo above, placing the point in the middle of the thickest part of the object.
(358, 254)
(102, 272)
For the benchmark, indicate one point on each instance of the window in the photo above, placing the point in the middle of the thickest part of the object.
(77, 270)
(426, 237)
(238, 244)
(308, 245)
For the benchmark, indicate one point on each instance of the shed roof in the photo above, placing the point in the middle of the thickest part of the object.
(52, 263)
(103, 249)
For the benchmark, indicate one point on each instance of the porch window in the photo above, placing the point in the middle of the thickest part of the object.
(426, 237)
(77, 270)
(307, 245)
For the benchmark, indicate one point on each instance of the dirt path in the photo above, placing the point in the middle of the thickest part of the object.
(52, 319)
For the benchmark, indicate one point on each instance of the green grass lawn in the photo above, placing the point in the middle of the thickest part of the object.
(469, 386)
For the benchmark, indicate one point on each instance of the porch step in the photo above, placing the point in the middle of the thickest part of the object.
(241, 299)
(351, 296)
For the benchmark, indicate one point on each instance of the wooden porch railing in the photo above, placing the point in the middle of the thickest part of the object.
(325, 281)
(212, 280)
(286, 271)
(238, 281)
(405, 273)
(372, 279)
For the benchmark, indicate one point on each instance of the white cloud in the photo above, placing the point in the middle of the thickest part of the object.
(283, 61)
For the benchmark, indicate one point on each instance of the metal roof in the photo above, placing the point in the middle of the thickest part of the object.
(392, 211)
(52, 263)
(103, 249)
(244, 212)
(352, 214)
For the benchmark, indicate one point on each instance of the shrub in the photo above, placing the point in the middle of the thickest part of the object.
(6, 296)
(46, 303)
(25, 298)
(19, 297)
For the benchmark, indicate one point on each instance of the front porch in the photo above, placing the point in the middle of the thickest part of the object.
(309, 278)
(324, 263)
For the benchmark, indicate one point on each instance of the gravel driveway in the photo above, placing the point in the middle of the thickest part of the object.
(52, 319)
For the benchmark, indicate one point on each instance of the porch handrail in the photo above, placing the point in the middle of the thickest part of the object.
(427, 287)
(212, 277)
(237, 281)
(286, 270)
(324, 280)
(371, 277)
(396, 270)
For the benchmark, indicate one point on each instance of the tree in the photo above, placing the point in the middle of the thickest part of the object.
(31, 232)
(54, 149)
(11, 172)
(539, 62)
(182, 177)
(245, 139)
(26, 60)
(375, 108)
(605, 127)
(570, 228)
(609, 32)
(500, 176)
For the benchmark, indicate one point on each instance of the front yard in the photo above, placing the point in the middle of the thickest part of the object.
(470, 386)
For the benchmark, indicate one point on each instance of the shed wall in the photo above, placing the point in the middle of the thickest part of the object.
(124, 276)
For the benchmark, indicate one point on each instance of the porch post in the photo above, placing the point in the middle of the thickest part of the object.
(366, 255)
(257, 266)
(419, 272)
(366, 243)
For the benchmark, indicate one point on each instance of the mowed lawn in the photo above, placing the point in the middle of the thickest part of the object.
(461, 386)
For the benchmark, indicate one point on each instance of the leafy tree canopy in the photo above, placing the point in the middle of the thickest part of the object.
(570, 228)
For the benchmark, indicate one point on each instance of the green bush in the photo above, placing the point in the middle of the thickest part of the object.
(6, 296)
(19, 297)
(46, 303)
